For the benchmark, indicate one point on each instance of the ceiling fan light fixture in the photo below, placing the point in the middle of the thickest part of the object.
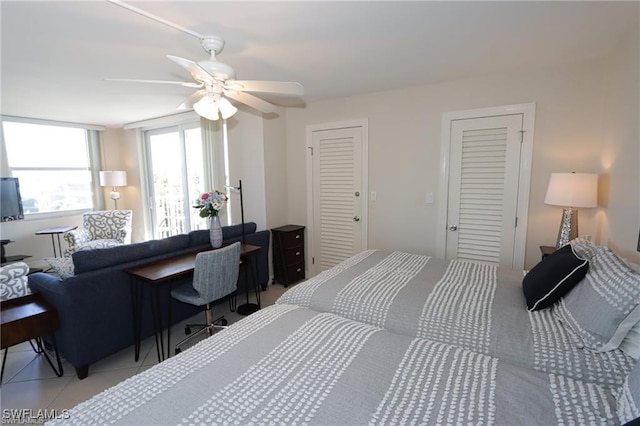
(207, 108)
(226, 108)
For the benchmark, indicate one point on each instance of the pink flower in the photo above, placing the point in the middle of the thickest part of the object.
(204, 196)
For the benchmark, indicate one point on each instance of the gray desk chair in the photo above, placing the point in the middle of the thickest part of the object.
(215, 276)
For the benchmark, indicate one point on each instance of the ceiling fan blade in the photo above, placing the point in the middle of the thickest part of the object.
(284, 87)
(252, 101)
(180, 83)
(196, 71)
(188, 104)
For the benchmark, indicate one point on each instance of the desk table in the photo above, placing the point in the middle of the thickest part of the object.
(56, 232)
(155, 274)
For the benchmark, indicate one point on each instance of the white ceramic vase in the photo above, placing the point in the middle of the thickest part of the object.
(215, 231)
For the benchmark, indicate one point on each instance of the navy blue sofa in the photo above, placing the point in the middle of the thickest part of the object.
(94, 305)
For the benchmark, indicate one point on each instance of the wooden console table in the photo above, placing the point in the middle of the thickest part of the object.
(154, 275)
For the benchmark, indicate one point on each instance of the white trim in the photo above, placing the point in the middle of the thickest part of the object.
(52, 215)
(522, 211)
(166, 121)
(363, 124)
(143, 172)
(51, 122)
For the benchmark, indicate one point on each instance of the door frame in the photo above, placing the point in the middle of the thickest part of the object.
(524, 182)
(363, 124)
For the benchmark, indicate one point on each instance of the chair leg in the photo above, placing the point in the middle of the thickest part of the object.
(232, 303)
(209, 327)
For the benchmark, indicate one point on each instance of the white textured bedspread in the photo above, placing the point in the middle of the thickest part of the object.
(292, 365)
(472, 305)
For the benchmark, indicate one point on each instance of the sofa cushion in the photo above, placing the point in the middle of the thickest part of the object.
(90, 260)
(201, 237)
(235, 231)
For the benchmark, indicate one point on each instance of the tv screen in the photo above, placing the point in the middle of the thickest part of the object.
(10, 200)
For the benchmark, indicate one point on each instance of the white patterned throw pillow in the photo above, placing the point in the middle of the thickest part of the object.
(97, 244)
(61, 267)
(13, 281)
(606, 305)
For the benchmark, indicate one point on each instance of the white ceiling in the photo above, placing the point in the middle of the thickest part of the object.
(56, 55)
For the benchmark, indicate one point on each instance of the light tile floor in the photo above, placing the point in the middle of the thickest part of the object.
(30, 383)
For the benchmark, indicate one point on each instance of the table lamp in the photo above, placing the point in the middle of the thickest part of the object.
(114, 179)
(571, 190)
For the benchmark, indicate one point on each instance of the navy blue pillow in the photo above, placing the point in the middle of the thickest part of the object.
(553, 277)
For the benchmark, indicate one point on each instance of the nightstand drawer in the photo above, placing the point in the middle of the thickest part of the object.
(294, 255)
(295, 272)
(295, 238)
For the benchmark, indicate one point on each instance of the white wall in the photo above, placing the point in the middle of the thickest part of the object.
(246, 162)
(404, 147)
(120, 151)
(275, 170)
(22, 232)
(619, 215)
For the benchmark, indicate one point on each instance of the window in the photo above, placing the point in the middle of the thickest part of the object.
(52, 163)
(176, 179)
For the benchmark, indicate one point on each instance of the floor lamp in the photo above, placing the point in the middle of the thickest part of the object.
(114, 179)
(246, 308)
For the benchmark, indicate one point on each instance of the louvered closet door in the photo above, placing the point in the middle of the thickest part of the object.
(337, 206)
(483, 189)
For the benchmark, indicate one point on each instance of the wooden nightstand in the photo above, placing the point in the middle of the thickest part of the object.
(288, 254)
(547, 250)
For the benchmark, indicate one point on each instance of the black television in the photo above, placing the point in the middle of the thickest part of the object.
(10, 199)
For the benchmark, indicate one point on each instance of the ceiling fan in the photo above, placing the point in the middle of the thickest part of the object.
(216, 80)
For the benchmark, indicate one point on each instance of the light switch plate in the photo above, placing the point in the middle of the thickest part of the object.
(429, 198)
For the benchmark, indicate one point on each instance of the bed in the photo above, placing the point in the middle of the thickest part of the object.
(374, 341)
(431, 298)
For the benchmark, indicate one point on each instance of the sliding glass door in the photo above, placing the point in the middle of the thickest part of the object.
(176, 179)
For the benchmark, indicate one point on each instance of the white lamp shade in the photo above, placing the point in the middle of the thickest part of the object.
(226, 109)
(212, 108)
(113, 178)
(572, 190)
(207, 108)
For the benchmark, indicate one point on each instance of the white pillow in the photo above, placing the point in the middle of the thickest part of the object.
(628, 398)
(631, 343)
(61, 267)
(13, 281)
(606, 305)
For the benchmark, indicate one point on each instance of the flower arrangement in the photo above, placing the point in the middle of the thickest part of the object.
(210, 203)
